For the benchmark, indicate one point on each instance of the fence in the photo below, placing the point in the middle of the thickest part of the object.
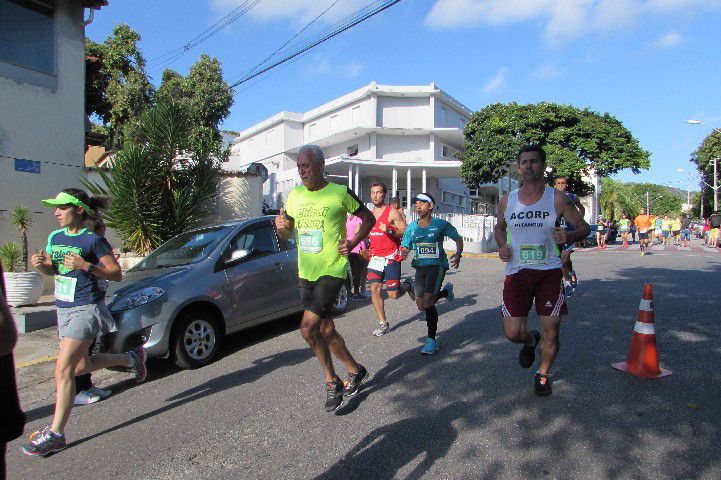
(476, 230)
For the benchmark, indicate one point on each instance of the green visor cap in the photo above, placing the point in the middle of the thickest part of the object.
(65, 199)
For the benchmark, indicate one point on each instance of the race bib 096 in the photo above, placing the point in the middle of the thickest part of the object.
(310, 241)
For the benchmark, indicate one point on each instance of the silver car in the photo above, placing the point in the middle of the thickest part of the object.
(201, 285)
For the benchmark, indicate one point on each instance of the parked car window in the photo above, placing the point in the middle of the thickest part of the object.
(259, 241)
(184, 249)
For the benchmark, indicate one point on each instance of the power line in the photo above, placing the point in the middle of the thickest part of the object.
(337, 31)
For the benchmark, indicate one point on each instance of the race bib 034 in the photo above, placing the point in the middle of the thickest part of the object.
(427, 250)
(310, 241)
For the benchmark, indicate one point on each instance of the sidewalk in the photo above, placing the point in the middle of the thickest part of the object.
(36, 347)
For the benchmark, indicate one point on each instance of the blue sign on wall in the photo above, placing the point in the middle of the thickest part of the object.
(29, 166)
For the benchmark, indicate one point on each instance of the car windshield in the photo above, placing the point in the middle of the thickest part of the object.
(184, 249)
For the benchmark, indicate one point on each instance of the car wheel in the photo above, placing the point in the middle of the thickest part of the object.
(196, 340)
(341, 301)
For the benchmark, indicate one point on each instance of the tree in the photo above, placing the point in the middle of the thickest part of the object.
(22, 219)
(164, 181)
(117, 86)
(203, 92)
(576, 141)
(703, 157)
(617, 198)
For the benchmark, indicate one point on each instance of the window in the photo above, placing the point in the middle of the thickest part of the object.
(444, 117)
(355, 115)
(449, 152)
(258, 241)
(352, 150)
(450, 198)
(334, 123)
(311, 130)
(27, 34)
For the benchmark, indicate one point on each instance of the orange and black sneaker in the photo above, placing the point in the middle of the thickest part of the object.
(542, 384)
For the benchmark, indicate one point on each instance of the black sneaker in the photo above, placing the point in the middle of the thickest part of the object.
(542, 385)
(334, 395)
(352, 385)
(528, 353)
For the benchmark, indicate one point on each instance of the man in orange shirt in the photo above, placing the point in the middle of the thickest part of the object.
(643, 224)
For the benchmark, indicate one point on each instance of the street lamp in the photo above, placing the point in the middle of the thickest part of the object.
(715, 165)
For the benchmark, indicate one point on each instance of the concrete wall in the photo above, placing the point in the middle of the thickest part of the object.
(404, 148)
(453, 118)
(43, 123)
(338, 120)
(404, 112)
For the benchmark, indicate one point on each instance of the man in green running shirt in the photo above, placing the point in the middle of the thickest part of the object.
(317, 212)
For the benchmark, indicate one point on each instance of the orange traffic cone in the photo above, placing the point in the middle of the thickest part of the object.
(642, 360)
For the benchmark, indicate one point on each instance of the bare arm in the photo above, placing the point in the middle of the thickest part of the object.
(572, 216)
(109, 270)
(504, 250)
(41, 262)
(398, 222)
(8, 333)
(365, 229)
(579, 206)
(284, 225)
(456, 257)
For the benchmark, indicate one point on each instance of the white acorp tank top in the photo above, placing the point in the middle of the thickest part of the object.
(530, 233)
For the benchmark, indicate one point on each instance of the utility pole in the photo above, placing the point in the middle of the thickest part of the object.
(648, 204)
(715, 184)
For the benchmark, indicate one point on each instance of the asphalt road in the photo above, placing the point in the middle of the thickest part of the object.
(467, 412)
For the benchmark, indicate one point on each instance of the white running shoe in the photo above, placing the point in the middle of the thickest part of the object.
(86, 397)
(100, 392)
(449, 288)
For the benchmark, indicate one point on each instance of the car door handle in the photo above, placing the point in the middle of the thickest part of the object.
(278, 267)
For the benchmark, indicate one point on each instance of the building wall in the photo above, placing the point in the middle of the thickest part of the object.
(409, 148)
(404, 112)
(43, 123)
(451, 118)
(344, 118)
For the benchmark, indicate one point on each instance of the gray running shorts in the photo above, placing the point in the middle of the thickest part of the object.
(85, 322)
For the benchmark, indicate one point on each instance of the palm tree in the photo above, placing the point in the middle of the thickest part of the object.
(22, 219)
(164, 179)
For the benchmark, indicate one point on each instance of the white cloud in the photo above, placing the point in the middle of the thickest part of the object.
(322, 65)
(671, 39)
(548, 71)
(497, 81)
(562, 20)
(300, 10)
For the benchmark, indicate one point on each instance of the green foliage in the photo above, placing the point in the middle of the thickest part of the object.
(165, 179)
(117, 86)
(576, 141)
(22, 219)
(11, 256)
(703, 157)
(618, 198)
(203, 92)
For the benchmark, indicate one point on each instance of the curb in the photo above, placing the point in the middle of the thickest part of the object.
(37, 361)
(474, 255)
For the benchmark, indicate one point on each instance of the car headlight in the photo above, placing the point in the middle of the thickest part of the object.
(135, 299)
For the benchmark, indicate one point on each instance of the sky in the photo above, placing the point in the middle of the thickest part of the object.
(653, 64)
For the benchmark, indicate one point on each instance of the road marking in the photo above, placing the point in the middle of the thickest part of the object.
(48, 358)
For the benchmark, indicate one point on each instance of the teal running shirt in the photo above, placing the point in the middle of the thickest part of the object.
(427, 243)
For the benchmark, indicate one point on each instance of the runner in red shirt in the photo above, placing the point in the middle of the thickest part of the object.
(385, 254)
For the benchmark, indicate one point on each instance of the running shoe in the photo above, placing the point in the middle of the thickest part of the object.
(573, 278)
(382, 329)
(44, 443)
(542, 384)
(138, 356)
(100, 392)
(86, 397)
(449, 288)
(333, 395)
(352, 385)
(357, 296)
(430, 347)
(527, 355)
(568, 288)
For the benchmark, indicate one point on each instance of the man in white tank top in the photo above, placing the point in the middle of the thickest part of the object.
(527, 232)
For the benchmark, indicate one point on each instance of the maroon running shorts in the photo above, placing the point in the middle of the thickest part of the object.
(522, 287)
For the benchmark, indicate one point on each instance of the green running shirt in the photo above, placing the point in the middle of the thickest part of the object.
(319, 218)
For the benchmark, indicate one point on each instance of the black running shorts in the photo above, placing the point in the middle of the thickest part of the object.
(429, 280)
(319, 296)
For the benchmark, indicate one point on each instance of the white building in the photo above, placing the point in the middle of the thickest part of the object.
(42, 113)
(404, 136)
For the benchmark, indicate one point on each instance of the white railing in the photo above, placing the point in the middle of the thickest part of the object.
(476, 230)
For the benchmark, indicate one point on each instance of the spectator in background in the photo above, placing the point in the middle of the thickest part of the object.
(12, 420)
(714, 223)
(358, 259)
(395, 202)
